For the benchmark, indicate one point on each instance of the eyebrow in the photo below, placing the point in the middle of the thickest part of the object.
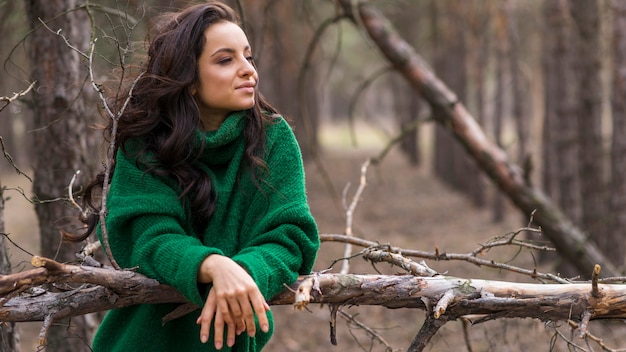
(228, 50)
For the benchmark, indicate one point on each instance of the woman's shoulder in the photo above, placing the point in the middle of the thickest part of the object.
(278, 126)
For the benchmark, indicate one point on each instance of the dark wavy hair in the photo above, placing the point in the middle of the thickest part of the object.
(164, 115)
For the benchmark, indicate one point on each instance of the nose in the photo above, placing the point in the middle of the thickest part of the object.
(247, 68)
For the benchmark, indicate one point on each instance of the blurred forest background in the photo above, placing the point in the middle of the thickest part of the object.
(545, 79)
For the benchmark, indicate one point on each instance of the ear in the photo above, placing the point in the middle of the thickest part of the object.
(193, 90)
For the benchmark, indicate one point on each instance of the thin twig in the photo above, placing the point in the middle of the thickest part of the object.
(345, 268)
(596, 339)
(8, 100)
(584, 324)
(370, 332)
(6, 235)
(8, 157)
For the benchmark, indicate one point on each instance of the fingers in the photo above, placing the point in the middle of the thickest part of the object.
(233, 302)
(206, 317)
(260, 309)
(222, 316)
(224, 311)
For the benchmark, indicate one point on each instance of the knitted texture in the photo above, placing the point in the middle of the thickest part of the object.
(268, 230)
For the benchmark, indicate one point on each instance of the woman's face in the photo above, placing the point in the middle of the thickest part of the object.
(226, 76)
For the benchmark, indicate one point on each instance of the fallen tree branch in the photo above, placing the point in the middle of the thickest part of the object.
(105, 289)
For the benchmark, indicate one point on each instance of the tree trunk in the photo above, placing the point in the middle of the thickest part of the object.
(9, 336)
(499, 111)
(406, 106)
(519, 94)
(585, 14)
(549, 169)
(451, 113)
(618, 150)
(566, 123)
(449, 59)
(292, 89)
(479, 40)
(62, 138)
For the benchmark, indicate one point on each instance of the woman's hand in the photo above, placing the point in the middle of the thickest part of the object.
(233, 301)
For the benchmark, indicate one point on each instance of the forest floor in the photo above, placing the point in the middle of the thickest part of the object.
(403, 206)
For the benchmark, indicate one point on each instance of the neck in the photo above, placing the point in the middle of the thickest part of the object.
(212, 123)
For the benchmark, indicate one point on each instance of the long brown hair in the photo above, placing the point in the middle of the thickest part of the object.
(164, 115)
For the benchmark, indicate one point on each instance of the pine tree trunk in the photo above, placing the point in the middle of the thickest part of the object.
(566, 135)
(62, 139)
(549, 170)
(499, 111)
(618, 151)
(519, 94)
(293, 90)
(480, 39)
(585, 14)
(450, 161)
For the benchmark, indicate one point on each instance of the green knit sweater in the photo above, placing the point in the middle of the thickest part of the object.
(268, 231)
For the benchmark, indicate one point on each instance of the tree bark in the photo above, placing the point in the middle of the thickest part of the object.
(549, 169)
(499, 113)
(450, 113)
(519, 94)
(479, 40)
(443, 297)
(566, 136)
(62, 137)
(618, 150)
(9, 336)
(594, 214)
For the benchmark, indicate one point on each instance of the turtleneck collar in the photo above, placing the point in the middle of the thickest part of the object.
(220, 145)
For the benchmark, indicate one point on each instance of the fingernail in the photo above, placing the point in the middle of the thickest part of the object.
(230, 342)
(265, 328)
(204, 338)
(218, 345)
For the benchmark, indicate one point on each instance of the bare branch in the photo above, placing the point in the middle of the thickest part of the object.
(349, 216)
(8, 157)
(428, 330)
(370, 332)
(470, 257)
(398, 260)
(8, 100)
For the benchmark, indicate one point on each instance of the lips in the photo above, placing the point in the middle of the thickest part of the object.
(247, 86)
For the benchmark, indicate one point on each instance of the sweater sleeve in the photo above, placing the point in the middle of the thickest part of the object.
(147, 229)
(284, 241)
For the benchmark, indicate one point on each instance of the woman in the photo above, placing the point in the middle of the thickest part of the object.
(207, 193)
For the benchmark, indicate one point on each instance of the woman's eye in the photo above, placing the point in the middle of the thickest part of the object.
(250, 58)
(224, 60)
